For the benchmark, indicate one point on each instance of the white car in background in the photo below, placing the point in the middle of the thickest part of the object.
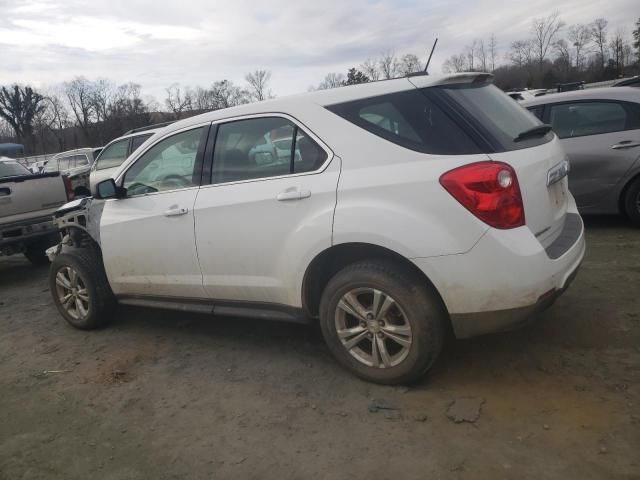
(406, 207)
(524, 95)
(117, 150)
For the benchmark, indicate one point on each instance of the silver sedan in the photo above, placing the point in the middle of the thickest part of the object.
(600, 131)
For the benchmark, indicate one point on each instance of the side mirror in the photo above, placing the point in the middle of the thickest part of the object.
(108, 189)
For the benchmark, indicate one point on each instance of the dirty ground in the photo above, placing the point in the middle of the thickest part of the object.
(172, 396)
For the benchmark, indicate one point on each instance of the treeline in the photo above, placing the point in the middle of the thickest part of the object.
(86, 112)
(553, 53)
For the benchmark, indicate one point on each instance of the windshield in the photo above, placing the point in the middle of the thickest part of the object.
(495, 114)
(12, 169)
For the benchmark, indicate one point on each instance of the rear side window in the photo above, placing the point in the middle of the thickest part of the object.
(10, 169)
(262, 148)
(410, 119)
(591, 118)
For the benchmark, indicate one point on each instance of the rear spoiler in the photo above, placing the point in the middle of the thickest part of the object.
(24, 178)
(456, 78)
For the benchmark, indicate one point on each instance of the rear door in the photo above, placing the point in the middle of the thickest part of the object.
(269, 205)
(602, 140)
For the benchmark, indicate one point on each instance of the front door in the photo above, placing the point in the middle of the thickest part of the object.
(148, 238)
(270, 203)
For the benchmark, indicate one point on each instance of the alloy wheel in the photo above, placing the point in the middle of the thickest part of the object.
(373, 328)
(72, 293)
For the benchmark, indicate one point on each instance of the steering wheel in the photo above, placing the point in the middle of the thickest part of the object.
(175, 181)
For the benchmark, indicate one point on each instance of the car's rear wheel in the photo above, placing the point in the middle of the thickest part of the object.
(80, 289)
(632, 202)
(382, 322)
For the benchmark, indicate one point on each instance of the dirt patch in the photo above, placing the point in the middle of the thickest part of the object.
(170, 396)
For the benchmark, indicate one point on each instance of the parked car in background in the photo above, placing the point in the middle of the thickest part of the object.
(389, 219)
(522, 95)
(627, 82)
(117, 150)
(27, 204)
(75, 164)
(600, 131)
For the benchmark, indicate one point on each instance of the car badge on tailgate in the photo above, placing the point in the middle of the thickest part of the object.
(558, 172)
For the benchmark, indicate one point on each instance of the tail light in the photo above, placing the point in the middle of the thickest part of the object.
(68, 187)
(489, 190)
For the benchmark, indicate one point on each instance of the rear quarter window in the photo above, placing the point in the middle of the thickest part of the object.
(409, 119)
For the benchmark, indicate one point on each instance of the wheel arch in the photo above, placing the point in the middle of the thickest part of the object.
(623, 193)
(333, 259)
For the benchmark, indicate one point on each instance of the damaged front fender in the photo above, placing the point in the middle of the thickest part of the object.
(79, 223)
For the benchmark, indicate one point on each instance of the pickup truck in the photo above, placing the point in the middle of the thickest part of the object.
(27, 204)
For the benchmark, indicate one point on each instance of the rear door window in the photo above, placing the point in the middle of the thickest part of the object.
(261, 148)
(590, 118)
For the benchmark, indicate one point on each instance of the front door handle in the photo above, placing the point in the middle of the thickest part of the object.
(625, 144)
(175, 212)
(293, 195)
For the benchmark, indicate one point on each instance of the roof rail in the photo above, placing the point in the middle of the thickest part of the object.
(149, 127)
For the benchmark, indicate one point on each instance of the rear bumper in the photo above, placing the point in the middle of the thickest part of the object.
(506, 278)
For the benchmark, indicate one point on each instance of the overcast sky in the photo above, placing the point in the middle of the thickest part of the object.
(195, 42)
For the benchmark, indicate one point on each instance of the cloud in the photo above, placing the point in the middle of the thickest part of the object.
(199, 41)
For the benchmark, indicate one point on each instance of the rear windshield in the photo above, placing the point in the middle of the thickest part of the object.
(12, 169)
(447, 120)
(497, 116)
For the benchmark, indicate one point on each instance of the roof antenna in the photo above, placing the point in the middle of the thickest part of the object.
(430, 55)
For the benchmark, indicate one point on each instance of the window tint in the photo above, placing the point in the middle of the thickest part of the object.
(139, 140)
(492, 112)
(113, 155)
(587, 118)
(537, 111)
(410, 119)
(168, 165)
(261, 148)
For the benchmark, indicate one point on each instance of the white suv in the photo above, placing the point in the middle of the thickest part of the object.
(403, 208)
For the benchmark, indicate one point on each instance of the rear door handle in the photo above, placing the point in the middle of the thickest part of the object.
(293, 195)
(175, 212)
(5, 192)
(625, 144)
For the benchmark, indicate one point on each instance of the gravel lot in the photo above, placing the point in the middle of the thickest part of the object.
(165, 395)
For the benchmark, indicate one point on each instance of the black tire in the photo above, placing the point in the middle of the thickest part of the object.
(632, 203)
(422, 308)
(87, 262)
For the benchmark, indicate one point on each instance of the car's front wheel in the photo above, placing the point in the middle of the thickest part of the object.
(382, 322)
(80, 289)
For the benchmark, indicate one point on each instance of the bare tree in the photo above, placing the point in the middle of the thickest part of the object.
(178, 100)
(332, 80)
(579, 36)
(564, 60)
(493, 51)
(409, 63)
(521, 53)
(471, 54)
(19, 106)
(226, 94)
(544, 32)
(481, 56)
(370, 69)
(259, 84)
(79, 92)
(599, 37)
(53, 120)
(455, 64)
(388, 65)
(616, 45)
